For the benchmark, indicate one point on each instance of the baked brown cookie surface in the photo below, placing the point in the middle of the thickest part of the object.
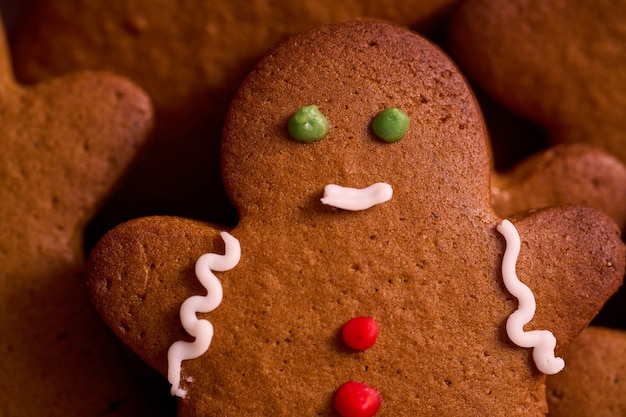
(190, 57)
(558, 65)
(65, 144)
(399, 231)
(563, 174)
(593, 383)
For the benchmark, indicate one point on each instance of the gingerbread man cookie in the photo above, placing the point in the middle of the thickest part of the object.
(368, 273)
(190, 65)
(65, 145)
(558, 65)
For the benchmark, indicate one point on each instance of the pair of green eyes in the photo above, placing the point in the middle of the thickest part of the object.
(308, 124)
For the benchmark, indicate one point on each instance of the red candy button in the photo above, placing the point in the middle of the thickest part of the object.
(360, 333)
(354, 399)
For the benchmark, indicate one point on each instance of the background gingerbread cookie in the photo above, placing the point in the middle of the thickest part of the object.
(560, 66)
(357, 159)
(559, 175)
(65, 145)
(593, 383)
(190, 57)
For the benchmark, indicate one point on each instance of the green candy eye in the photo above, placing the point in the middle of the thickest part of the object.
(307, 124)
(390, 124)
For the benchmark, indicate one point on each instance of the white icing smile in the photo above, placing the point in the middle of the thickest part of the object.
(356, 199)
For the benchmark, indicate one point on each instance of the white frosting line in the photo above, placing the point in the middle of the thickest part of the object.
(543, 342)
(202, 330)
(356, 198)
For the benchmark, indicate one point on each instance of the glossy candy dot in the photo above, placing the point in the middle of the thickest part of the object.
(390, 124)
(360, 333)
(355, 399)
(307, 124)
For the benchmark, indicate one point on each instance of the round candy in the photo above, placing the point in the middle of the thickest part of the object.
(360, 333)
(307, 124)
(390, 124)
(355, 399)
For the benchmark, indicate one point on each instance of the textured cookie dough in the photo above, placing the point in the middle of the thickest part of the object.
(594, 382)
(190, 57)
(561, 66)
(563, 174)
(423, 260)
(65, 144)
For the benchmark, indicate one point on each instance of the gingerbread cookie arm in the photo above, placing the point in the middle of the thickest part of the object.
(567, 302)
(564, 174)
(98, 121)
(146, 268)
(95, 124)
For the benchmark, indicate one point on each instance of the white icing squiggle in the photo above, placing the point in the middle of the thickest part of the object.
(356, 198)
(543, 342)
(202, 330)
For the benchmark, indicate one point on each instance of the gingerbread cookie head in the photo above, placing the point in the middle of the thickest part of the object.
(65, 145)
(365, 274)
(190, 66)
(350, 93)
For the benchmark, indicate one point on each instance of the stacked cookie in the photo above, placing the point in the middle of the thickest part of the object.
(382, 204)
